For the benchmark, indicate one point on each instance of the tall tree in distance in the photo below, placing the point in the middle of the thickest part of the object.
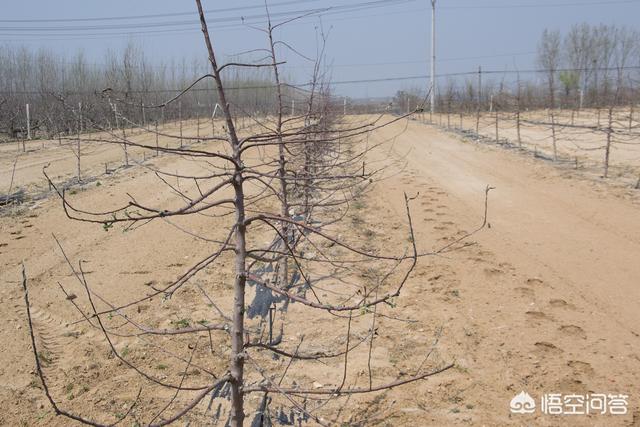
(549, 60)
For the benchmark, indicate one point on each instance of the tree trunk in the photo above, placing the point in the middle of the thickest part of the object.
(236, 368)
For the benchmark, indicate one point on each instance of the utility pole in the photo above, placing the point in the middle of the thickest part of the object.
(433, 57)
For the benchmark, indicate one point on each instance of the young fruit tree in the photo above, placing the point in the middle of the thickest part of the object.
(268, 205)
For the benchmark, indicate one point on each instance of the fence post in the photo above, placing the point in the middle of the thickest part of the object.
(78, 139)
(497, 131)
(581, 102)
(180, 119)
(157, 143)
(124, 135)
(28, 123)
(126, 150)
(553, 136)
(198, 127)
(607, 150)
(518, 127)
(115, 116)
(461, 126)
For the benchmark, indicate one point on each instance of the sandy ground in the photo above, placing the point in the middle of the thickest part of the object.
(544, 302)
(96, 158)
(580, 137)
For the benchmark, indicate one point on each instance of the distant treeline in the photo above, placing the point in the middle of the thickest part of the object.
(125, 81)
(590, 66)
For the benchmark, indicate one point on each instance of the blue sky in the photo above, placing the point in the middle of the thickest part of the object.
(374, 40)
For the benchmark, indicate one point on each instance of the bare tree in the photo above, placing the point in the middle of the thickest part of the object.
(549, 60)
(313, 161)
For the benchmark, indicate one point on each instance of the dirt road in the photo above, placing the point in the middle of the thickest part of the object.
(554, 287)
(541, 222)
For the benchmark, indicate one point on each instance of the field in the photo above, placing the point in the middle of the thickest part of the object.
(580, 136)
(544, 299)
(97, 158)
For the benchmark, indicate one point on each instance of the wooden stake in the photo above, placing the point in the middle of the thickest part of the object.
(607, 150)
(518, 128)
(180, 117)
(28, 123)
(78, 154)
(553, 136)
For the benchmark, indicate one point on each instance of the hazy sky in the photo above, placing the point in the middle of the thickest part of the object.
(368, 39)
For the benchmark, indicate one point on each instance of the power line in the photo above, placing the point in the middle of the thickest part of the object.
(193, 23)
(543, 5)
(330, 10)
(295, 2)
(228, 26)
(158, 15)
